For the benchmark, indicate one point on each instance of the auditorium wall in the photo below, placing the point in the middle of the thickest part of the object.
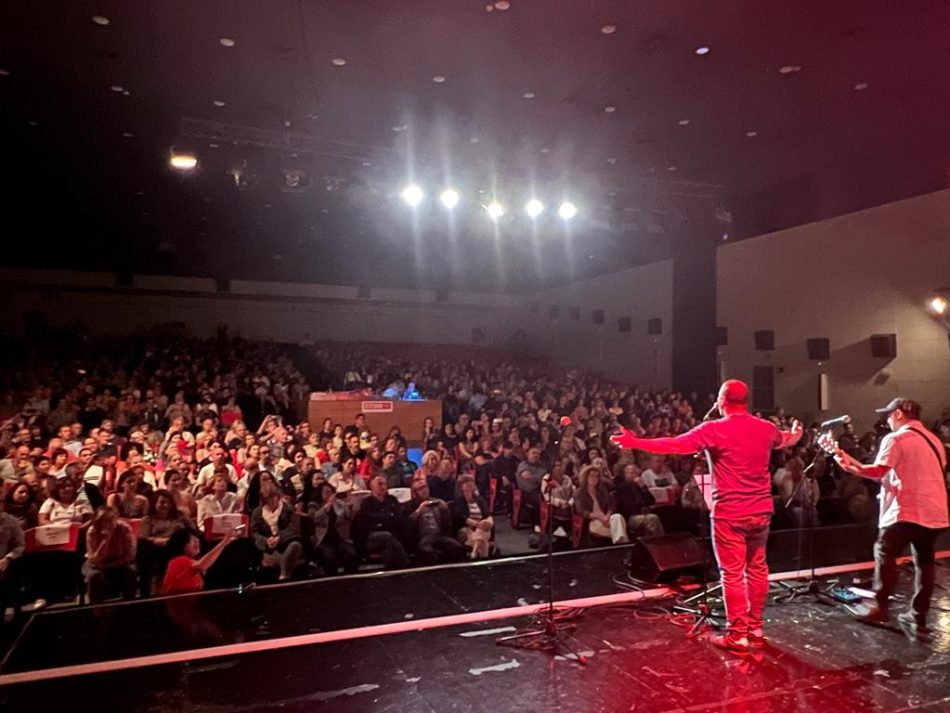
(845, 278)
(277, 311)
(640, 293)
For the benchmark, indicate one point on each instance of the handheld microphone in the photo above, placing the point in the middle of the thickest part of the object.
(711, 411)
(840, 421)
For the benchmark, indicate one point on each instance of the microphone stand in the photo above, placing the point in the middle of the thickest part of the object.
(702, 613)
(811, 586)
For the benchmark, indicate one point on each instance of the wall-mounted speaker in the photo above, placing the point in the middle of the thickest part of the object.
(654, 326)
(553, 311)
(597, 316)
(764, 340)
(722, 336)
(624, 325)
(575, 313)
(819, 348)
(884, 346)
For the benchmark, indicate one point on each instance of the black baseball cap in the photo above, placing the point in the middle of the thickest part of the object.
(911, 408)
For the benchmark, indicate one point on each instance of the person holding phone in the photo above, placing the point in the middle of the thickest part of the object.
(186, 571)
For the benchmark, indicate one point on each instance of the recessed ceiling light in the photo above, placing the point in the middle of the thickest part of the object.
(567, 210)
(861, 86)
(438, 79)
(213, 146)
(183, 161)
(502, 5)
(495, 210)
(32, 123)
(100, 20)
(790, 69)
(226, 42)
(367, 164)
(534, 208)
(117, 88)
(412, 195)
(608, 29)
(474, 140)
(338, 61)
(218, 102)
(4, 72)
(545, 150)
(612, 161)
(126, 93)
(127, 134)
(684, 122)
(397, 129)
(449, 198)
(610, 109)
(671, 168)
(529, 95)
(701, 50)
(751, 134)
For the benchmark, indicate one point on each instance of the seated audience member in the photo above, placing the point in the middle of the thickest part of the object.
(405, 466)
(161, 523)
(347, 480)
(429, 524)
(558, 490)
(220, 500)
(798, 493)
(634, 502)
(185, 571)
(272, 526)
(381, 525)
(592, 501)
(332, 539)
(658, 475)
(528, 478)
(372, 463)
(63, 506)
(177, 485)
(299, 474)
(11, 550)
(20, 503)
(471, 519)
(395, 477)
(217, 458)
(429, 467)
(126, 501)
(110, 556)
(332, 464)
(442, 484)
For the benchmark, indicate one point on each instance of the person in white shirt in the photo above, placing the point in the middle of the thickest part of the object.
(658, 475)
(910, 466)
(347, 480)
(217, 456)
(219, 501)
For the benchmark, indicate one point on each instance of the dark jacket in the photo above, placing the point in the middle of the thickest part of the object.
(584, 504)
(384, 515)
(633, 499)
(460, 510)
(11, 537)
(261, 530)
(441, 489)
(442, 513)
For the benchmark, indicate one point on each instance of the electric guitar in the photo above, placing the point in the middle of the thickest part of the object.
(827, 443)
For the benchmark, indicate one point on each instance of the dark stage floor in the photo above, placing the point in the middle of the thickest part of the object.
(817, 659)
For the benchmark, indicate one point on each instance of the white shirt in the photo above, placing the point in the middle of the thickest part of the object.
(93, 475)
(65, 513)
(207, 473)
(913, 490)
(650, 477)
(209, 505)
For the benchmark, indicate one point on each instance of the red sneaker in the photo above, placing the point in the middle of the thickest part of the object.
(731, 642)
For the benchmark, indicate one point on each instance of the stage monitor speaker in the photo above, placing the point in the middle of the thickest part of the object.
(665, 558)
(597, 316)
(764, 340)
(884, 346)
(722, 336)
(819, 348)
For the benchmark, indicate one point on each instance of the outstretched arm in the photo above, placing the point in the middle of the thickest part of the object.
(793, 436)
(678, 445)
(853, 465)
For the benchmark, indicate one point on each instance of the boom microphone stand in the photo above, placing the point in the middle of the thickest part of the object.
(547, 632)
(702, 613)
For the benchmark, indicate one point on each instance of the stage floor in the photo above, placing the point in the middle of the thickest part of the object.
(817, 658)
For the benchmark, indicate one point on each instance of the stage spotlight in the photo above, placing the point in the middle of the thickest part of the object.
(938, 304)
(449, 198)
(567, 210)
(495, 210)
(182, 161)
(534, 208)
(413, 195)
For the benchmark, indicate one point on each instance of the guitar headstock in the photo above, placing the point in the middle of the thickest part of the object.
(827, 443)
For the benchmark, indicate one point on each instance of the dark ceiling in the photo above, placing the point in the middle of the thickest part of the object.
(799, 110)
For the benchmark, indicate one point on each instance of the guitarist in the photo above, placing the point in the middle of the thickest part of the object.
(913, 509)
(740, 445)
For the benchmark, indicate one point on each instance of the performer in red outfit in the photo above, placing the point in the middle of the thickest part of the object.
(740, 446)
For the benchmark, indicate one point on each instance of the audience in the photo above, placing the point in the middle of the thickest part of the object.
(173, 431)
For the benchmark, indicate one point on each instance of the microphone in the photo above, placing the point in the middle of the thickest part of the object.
(714, 410)
(840, 421)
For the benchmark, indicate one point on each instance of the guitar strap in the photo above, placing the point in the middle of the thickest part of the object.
(940, 464)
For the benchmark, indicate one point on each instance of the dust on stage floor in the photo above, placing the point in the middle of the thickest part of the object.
(817, 658)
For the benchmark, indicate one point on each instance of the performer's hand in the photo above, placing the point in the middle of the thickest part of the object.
(625, 439)
(797, 429)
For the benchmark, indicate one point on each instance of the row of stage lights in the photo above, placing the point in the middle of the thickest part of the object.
(413, 196)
